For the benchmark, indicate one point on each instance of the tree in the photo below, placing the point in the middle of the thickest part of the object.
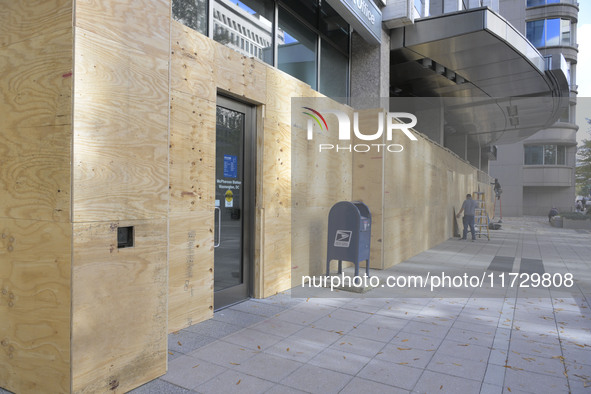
(583, 170)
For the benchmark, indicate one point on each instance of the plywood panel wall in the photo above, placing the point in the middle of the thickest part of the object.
(35, 306)
(119, 307)
(35, 234)
(120, 132)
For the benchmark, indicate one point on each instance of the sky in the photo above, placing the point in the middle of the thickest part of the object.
(583, 67)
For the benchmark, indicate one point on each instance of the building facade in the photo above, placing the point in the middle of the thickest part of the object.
(538, 173)
(157, 165)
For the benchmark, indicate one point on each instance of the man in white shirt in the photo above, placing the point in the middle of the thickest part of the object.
(469, 208)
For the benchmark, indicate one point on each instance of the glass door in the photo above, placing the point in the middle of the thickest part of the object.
(233, 202)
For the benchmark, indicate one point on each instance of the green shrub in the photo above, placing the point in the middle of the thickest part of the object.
(574, 216)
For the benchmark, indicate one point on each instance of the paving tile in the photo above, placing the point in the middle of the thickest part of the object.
(472, 337)
(268, 367)
(298, 317)
(188, 372)
(234, 382)
(154, 387)
(376, 333)
(223, 353)
(281, 389)
(475, 326)
(317, 336)
(237, 318)
(359, 385)
(457, 366)
(259, 308)
(391, 323)
(579, 377)
(405, 339)
(357, 345)
(339, 361)
(186, 342)
(488, 388)
(252, 339)
(405, 355)
(213, 328)
(277, 327)
(498, 357)
(465, 350)
(495, 374)
(296, 348)
(429, 329)
(333, 324)
(355, 317)
(399, 376)
(434, 382)
(314, 379)
(534, 347)
(534, 382)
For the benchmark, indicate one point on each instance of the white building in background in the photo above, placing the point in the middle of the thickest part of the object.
(539, 172)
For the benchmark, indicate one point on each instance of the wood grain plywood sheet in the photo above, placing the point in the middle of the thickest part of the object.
(120, 168)
(35, 173)
(276, 165)
(192, 63)
(22, 20)
(36, 83)
(119, 306)
(190, 282)
(277, 250)
(35, 298)
(141, 25)
(192, 153)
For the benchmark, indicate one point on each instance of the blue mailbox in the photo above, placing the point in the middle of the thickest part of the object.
(349, 235)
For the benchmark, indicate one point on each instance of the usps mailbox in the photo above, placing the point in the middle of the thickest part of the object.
(349, 234)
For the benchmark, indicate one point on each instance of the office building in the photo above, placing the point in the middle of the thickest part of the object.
(156, 163)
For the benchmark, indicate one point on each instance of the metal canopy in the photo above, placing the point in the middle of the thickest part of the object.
(503, 90)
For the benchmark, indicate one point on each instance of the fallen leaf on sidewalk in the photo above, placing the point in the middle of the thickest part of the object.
(238, 382)
(234, 363)
(404, 348)
(196, 366)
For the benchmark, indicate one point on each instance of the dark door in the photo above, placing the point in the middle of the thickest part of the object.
(234, 202)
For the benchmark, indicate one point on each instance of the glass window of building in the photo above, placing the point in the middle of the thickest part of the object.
(296, 48)
(249, 18)
(549, 154)
(534, 155)
(334, 28)
(561, 155)
(549, 32)
(334, 72)
(191, 13)
(533, 3)
(545, 155)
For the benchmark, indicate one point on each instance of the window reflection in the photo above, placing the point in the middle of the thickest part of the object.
(245, 26)
(296, 49)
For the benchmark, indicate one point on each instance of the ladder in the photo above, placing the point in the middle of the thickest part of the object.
(480, 216)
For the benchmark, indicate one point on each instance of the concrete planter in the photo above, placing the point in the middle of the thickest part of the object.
(577, 224)
(556, 221)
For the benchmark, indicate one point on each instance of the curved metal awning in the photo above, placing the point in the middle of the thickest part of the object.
(501, 88)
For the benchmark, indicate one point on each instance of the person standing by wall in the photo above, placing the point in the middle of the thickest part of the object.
(468, 207)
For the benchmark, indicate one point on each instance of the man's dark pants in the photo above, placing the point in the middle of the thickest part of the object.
(468, 221)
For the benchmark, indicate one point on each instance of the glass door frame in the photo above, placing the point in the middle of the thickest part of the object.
(235, 294)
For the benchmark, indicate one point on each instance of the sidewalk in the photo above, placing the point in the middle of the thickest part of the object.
(523, 341)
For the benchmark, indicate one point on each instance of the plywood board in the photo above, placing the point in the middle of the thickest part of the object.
(119, 308)
(192, 63)
(192, 153)
(35, 306)
(35, 173)
(36, 83)
(190, 282)
(23, 20)
(139, 25)
(120, 168)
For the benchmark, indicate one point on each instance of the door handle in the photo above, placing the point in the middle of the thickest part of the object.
(219, 232)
